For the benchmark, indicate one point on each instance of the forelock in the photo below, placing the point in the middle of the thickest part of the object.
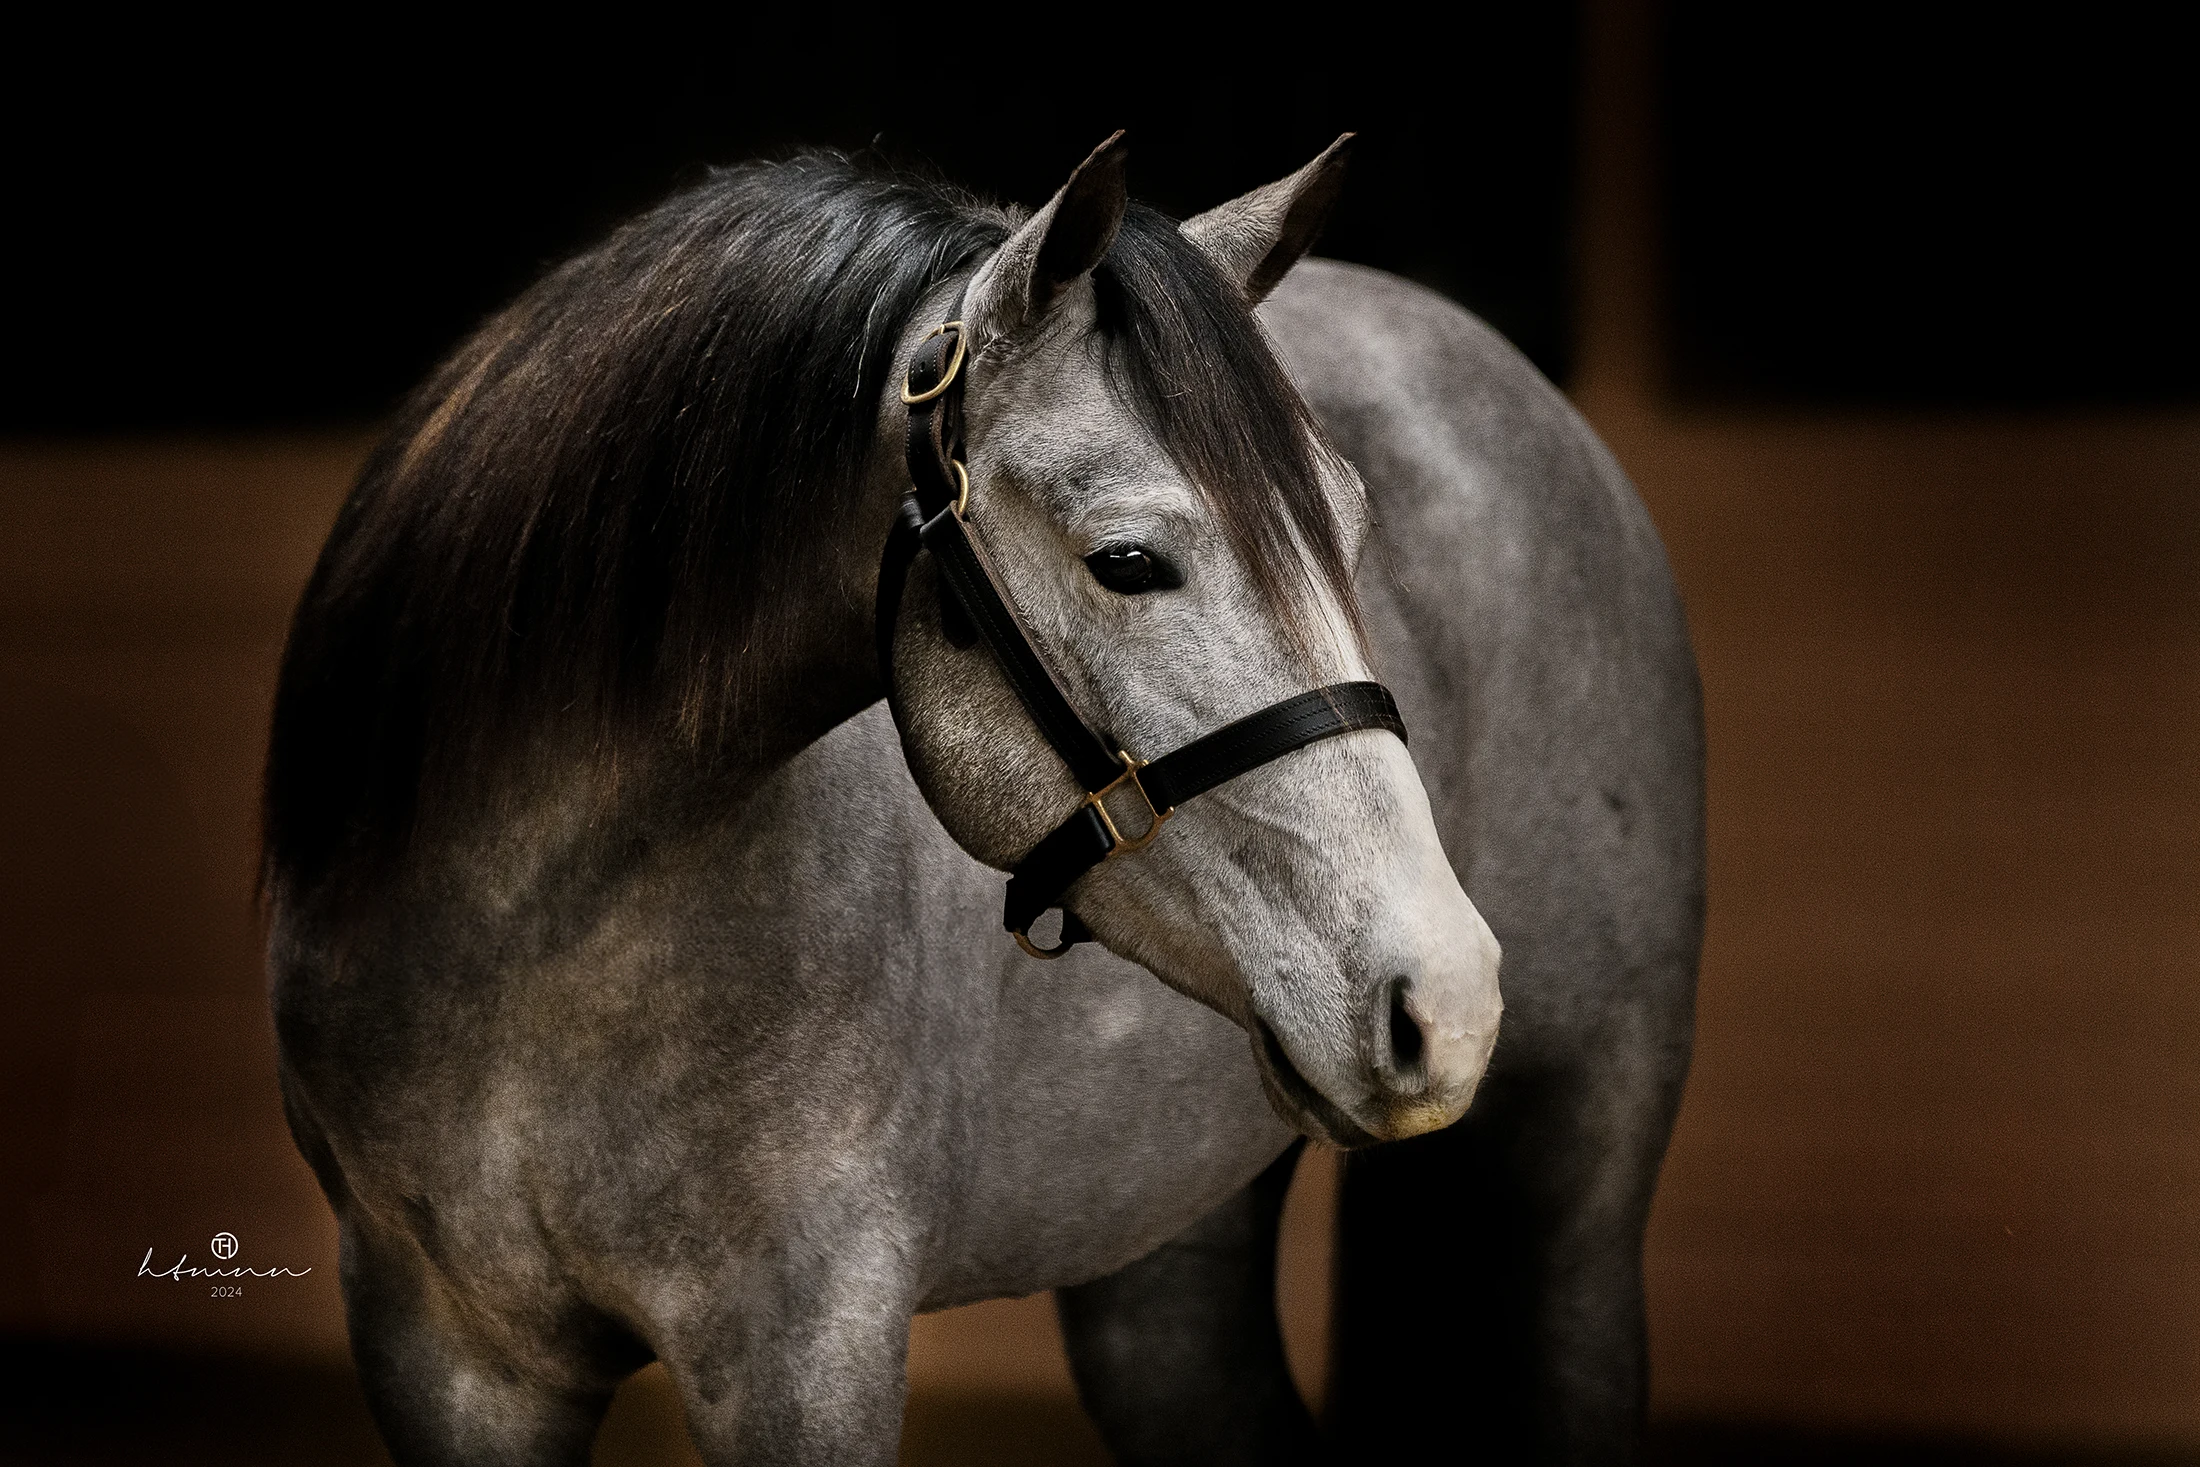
(1185, 354)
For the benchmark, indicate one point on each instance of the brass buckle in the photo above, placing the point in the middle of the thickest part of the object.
(1120, 842)
(1098, 799)
(954, 364)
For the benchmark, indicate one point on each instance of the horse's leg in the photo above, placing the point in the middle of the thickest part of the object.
(797, 1359)
(1178, 1357)
(1490, 1301)
(438, 1393)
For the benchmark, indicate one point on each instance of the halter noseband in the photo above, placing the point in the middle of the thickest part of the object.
(932, 519)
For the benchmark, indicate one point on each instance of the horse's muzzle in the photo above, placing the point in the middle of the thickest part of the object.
(1421, 1042)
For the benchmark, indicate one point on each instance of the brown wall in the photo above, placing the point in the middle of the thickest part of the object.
(143, 595)
(1940, 1159)
(1939, 1163)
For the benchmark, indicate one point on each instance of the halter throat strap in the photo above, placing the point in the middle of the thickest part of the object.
(977, 606)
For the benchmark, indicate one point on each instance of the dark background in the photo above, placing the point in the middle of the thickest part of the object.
(204, 235)
(1871, 202)
(1932, 204)
(1887, 310)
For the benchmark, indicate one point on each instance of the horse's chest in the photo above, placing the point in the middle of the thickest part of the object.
(1116, 1113)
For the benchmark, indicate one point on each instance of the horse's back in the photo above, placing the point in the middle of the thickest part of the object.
(1524, 613)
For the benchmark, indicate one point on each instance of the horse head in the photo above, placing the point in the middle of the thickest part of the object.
(1161, 508)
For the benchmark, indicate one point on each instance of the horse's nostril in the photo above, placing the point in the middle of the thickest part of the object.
(1405, 1034)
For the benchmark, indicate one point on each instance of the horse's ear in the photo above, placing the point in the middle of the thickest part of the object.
(1257, 238)
(1055, 247)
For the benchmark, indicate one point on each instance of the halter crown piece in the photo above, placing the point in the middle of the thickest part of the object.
(932, 519)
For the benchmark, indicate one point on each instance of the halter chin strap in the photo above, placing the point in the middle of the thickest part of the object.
(977, 607)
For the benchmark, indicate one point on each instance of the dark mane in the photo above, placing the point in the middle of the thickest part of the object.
(610, 508)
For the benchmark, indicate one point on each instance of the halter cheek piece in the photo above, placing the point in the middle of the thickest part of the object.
(932, 519)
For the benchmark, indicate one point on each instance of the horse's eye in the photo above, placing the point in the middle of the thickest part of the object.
(1131, 569)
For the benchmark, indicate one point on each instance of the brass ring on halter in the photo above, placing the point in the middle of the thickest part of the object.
(1043, 954)
(954, 364)
(962, 477)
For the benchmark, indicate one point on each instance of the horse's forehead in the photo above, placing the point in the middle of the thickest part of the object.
(1053, 418)
(1056, 383)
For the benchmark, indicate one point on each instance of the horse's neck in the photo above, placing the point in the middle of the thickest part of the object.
(826, 671)
(561, 826)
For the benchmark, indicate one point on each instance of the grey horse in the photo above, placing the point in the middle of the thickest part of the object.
(638, 974)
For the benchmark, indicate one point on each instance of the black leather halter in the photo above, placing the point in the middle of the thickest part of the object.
(932, 519)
